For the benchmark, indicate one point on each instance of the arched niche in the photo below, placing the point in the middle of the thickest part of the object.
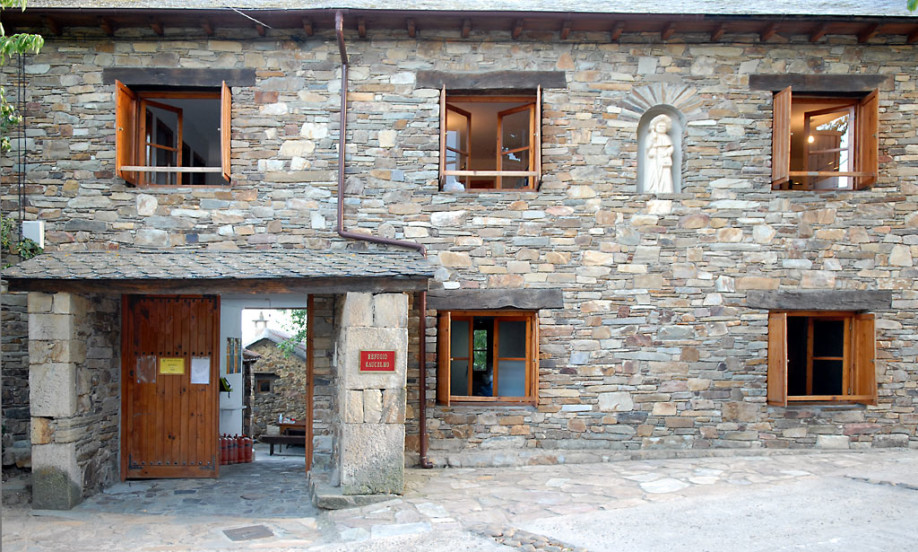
(677, 128)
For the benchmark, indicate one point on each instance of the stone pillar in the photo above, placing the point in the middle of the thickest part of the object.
(54, 353)
(371, 406)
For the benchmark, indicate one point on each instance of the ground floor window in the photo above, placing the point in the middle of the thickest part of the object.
(821, 357)
(487, 356)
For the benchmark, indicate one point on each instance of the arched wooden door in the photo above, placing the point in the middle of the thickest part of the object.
(170, 383)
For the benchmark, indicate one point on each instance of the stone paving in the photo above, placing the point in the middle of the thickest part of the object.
(549, 508)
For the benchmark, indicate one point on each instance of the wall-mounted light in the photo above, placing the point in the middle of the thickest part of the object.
(811, 138)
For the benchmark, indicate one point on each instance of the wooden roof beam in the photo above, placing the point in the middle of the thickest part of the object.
(718, 33)
(820, 32)
(668, 31)
(869, 32)
(566, 29)
(207, 27)
(768, 32)
(106, 25)
(260, 29)
(157, 27)
(912, 36)
(52, 25)
(517, 29)
(362, 27)
(412, 27)
(466, 27)
(307, 26)
(616, 32)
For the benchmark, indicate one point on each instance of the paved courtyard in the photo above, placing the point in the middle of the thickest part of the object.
(816, 502)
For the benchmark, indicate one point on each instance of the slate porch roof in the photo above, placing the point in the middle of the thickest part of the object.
(203, 267)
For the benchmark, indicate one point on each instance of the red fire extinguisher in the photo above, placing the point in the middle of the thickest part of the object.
(249, 451)
(223, 445)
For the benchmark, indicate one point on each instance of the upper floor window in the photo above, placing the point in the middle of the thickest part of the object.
(821, 357)
(824, 142)
(490, 141)
(488, 355)
(173, 136)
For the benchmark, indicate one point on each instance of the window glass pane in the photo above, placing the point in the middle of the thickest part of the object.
(828, 338)
(459, 338)
(512, 338)
(515, 132)
(511, 375)
(827, 377)
(459, 377)
(796, 354)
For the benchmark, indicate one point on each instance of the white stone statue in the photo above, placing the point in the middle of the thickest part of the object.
(658, 157)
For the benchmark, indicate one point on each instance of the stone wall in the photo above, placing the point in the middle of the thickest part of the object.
(17, 449)
(75, 384)
(288, 391)
(654, 348)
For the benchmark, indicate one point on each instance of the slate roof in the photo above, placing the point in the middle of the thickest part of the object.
(276, 336)
(222, 265)
(842, 8)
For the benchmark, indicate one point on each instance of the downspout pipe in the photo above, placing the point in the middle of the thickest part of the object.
(422, 296)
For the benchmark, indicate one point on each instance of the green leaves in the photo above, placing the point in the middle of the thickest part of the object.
(19, 44)
(912, 5)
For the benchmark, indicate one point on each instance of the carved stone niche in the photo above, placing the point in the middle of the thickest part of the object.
(659, 138)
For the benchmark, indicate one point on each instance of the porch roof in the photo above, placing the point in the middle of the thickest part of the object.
(212, 272)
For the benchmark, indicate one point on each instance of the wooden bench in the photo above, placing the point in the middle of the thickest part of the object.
(282, 440)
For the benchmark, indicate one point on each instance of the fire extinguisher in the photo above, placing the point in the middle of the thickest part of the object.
(223, 445)
(234, 449)
(249, 452)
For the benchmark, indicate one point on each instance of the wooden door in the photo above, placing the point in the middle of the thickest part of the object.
(170, 383)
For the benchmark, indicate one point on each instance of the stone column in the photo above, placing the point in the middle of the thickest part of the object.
(371, 406)
(54, 353)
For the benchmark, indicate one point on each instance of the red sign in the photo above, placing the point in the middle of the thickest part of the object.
(377, 361)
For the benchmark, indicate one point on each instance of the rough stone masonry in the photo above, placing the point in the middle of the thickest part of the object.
(655, 348)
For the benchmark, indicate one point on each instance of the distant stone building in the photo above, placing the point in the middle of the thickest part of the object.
(188, 164)
(278, 381)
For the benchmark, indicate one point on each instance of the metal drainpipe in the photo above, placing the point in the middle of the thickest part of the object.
(422, 296)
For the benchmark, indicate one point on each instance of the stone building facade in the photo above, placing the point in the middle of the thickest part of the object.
(656, 347)
(279, 387)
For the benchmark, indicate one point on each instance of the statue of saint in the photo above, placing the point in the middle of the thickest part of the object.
(658, 157)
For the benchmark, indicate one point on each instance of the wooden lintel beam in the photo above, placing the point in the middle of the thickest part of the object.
(616, 32)
(912, 36)
(517, 29)
(412, 27)
(869, 32)
(466, 27)
(260, 29)
(718, 33)
(668, 31)
(820, 32)
(207, 27)
(307, 26)
(157, 27)
(768, 32)
(566, 29)
(362, 27)
(52, 25)
(106, 25)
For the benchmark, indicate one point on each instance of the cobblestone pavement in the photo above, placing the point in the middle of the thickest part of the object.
(829, 501)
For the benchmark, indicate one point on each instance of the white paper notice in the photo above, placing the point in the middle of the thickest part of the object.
(200, 370)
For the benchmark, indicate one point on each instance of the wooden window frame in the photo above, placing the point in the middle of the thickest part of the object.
(534, 174)
(446, 356)
(859, 371)
(130, 133)
(865, 137)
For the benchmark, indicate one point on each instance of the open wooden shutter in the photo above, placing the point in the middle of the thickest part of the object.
(866, 120)
(125, 131)
(442, 137)
(781, 139)
(777, 359)
(533, 364)
(865, 349)
(226, 120)
(537, 140)
(443, 358)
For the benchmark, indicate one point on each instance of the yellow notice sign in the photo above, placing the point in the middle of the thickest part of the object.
(172, 366)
